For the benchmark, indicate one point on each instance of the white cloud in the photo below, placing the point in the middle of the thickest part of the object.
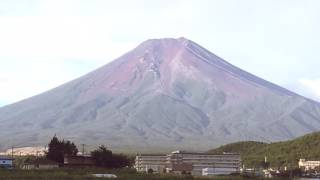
(19, 79)
(40, 53)
(311, 86)
(67, 37)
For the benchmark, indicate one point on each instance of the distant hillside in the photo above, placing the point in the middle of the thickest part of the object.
(279, 153)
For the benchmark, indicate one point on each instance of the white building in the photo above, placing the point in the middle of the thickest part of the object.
(212, 163)
(308, 165)
(6, 162)
(155, 162)
(228, 163)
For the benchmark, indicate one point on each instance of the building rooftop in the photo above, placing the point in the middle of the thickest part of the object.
(6, 158)
(186, 152)
(201, 153)
(151, 154)
(42, 161)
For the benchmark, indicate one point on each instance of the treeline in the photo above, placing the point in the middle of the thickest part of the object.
(278, 154)
(102, 157)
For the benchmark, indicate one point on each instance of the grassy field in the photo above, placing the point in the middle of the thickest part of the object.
(77, 174)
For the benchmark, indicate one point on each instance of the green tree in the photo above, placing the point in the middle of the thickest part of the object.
(265, 165)
(70, 148)
(102, 157)
(120, 161)
(58, 149)
(150, 171)
(55, 150)
(105, 158)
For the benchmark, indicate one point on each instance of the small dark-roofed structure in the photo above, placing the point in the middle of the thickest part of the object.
(78, 161)
(41, 163)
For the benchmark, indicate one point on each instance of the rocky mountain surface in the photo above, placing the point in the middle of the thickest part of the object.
(163, 95)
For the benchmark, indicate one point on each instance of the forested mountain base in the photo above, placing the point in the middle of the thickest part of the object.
(279, 154)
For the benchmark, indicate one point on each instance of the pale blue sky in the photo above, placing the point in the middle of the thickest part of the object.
(46, 43)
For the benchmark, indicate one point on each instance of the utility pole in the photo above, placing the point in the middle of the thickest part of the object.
(83, 149)
(12, 152)
(12, 155)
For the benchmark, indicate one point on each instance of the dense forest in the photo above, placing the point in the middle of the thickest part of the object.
(279, 154)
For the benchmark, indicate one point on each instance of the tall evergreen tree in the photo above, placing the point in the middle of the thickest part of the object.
(58, 149)
(70, 148)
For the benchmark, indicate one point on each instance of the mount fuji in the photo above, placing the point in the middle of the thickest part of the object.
(163, 95)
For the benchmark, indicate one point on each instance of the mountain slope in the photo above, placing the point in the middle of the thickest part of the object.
(278, 154)
(163, 95)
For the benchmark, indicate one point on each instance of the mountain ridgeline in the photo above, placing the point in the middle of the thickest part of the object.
(279, 154)
(165, 94)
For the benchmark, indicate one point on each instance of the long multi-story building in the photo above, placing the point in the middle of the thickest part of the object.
(155, 162)
(180, 161)
(308, 165)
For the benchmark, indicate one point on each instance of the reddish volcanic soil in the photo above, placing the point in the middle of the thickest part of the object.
(163, 95)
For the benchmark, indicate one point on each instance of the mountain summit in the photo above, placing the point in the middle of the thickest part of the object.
(165, 94)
